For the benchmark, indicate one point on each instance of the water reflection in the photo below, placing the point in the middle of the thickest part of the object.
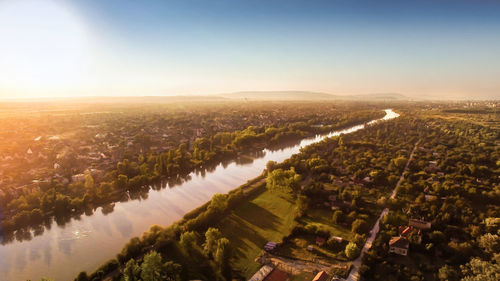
(85, 240)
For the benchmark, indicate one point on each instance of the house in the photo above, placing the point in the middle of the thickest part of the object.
(277, 275)
(399, 245)
(339, 204)
(420, 224)
(430, 197)
(262, 273)
(320, 241)
(321, 276)
(338, 239)
(78, 177)
(432, 166)
(270, 246)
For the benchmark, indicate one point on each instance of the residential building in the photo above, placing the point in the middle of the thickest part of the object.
(399, 245)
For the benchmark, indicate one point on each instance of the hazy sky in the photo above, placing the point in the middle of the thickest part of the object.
(105, 47)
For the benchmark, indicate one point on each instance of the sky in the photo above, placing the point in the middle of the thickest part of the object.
(422, 49)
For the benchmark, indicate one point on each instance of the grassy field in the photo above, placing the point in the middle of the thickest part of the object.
(323, 217)
(296, 248)
(268, 216)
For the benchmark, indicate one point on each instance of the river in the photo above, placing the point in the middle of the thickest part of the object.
(61, 252)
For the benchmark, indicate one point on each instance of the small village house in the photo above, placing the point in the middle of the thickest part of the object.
(399, 245)
(320, 241)
(321, 276)
(420, 224)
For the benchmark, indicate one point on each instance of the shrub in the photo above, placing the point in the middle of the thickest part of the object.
(352, 250)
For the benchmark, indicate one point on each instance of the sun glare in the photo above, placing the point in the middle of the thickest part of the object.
(42, 45)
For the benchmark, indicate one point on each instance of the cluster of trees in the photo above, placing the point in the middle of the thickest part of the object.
(453, 183)
(207, 260)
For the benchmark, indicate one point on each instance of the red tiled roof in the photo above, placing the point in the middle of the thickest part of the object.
(399, 242)
(320, 240)
(321, 276)
(277, 275)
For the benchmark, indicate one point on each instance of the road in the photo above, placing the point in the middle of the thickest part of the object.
(356, 264)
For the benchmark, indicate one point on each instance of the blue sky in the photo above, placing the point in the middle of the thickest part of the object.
(419, 48)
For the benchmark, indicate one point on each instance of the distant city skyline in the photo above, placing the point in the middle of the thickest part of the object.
(421, 49)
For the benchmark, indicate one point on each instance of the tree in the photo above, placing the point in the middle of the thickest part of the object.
(188, 240)
(447, 273)
(222, 254)
(218, 202)
(438, 237)
(151, 268)
(279, 179)
(352, 250)
(211, 237)
(490, 243)
(492, 223)
(82, 276)
(341, 142)
(479, 270)
(302, 204)
(89, 181)
(172, 271)
(359, 226)
(105, 189)
(132, 271)
(271, 165)
(399, 162)
(338, 216)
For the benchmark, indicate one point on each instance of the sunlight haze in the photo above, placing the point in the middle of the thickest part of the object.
(424, 49)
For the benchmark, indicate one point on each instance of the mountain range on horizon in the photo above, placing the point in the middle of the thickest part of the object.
(291, 95)
(307, 95)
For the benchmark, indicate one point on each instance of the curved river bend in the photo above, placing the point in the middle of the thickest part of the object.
(63, 251)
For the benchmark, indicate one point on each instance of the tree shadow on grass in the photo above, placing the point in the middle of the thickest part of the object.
(258, 216)
(244, 229)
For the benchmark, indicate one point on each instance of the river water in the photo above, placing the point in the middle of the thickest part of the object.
(61, 252)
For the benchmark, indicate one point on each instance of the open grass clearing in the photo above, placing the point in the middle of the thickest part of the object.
(267, 216)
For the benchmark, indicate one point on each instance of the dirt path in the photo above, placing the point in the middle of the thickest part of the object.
(294, 266)
(356, 264)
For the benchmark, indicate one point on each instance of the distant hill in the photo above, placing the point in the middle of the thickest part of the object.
(279, 95)
(380, 96)
(304, 95)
